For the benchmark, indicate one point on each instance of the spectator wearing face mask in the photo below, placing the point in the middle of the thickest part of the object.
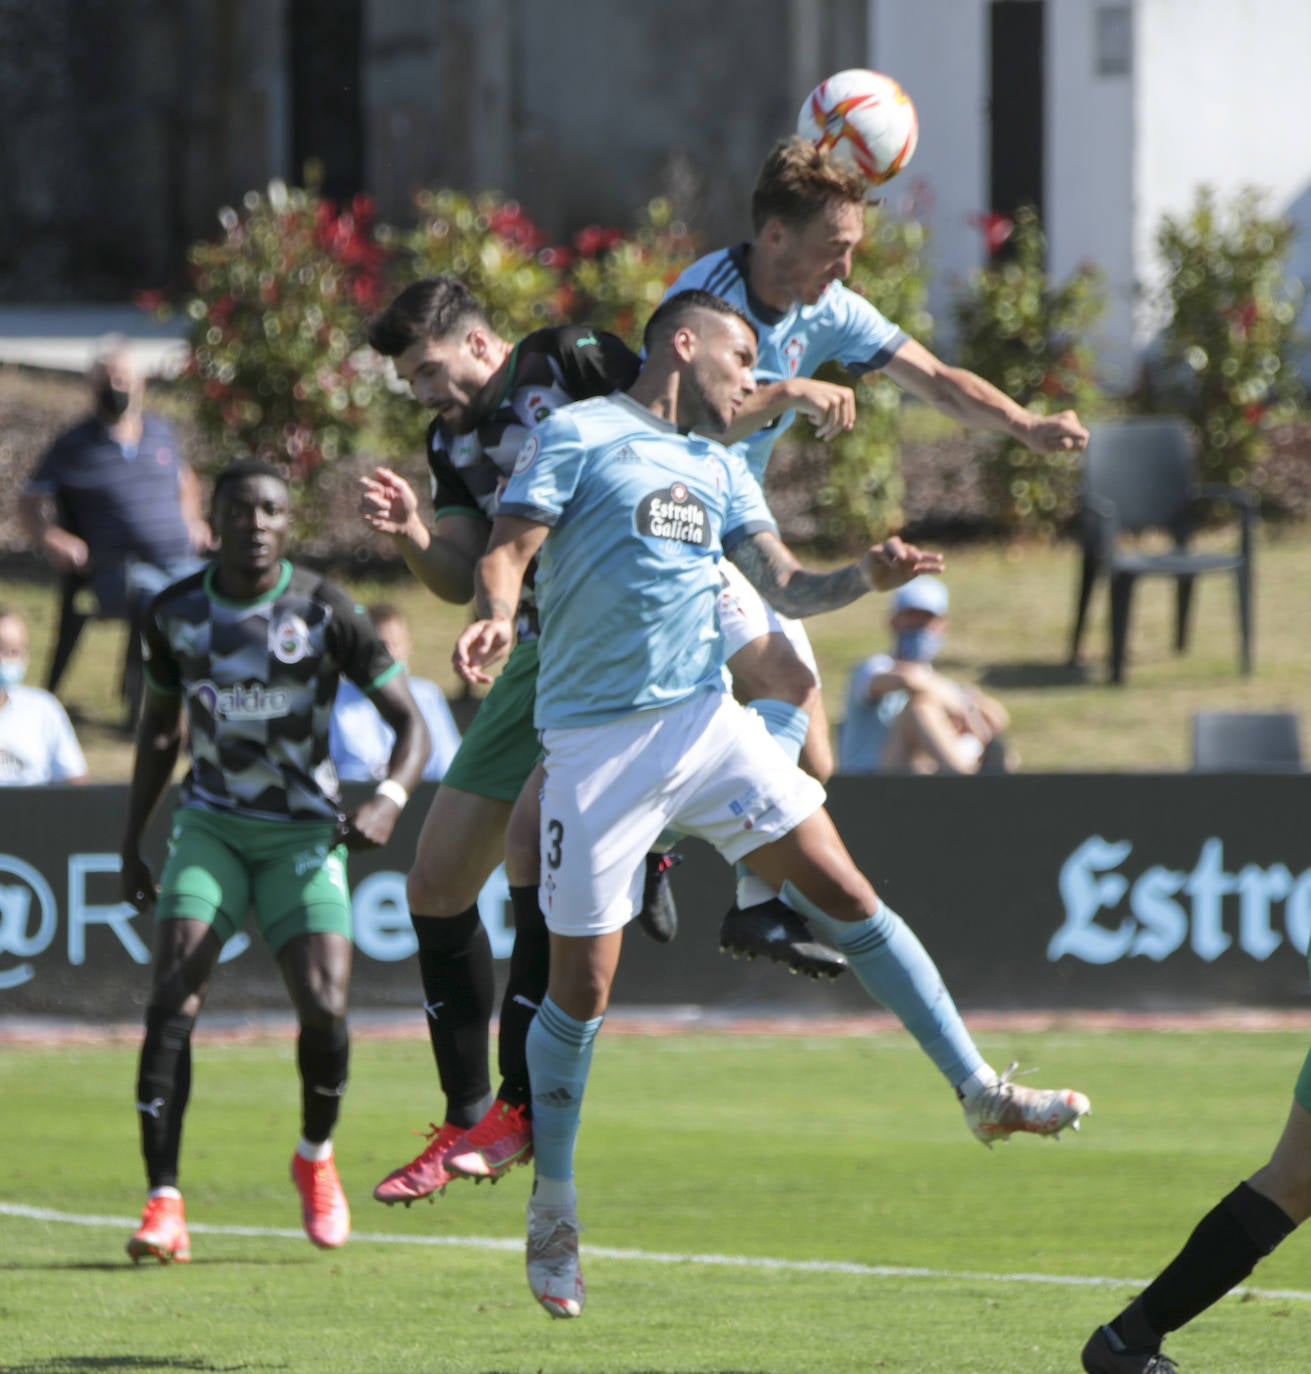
(113, 500)
(903, 716)
(37, 743)
(360, 741)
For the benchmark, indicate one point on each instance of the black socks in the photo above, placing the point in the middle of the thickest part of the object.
(163, 1087)
(323, 1056)
(455, 965)
(530, 967)
(1222, 1251)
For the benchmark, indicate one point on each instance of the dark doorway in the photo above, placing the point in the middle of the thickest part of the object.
(1016, 33)
(324, 42)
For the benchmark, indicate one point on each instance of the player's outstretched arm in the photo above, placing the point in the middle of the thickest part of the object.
(797, 591)
(831, 408)
(966, 397)
(498, 583)
(442, 559)
(159, 738)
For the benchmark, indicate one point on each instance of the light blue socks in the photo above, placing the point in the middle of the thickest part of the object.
(559, 1059)
(895, 969)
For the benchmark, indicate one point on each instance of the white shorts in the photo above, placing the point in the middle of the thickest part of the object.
(707, 767)
(745, 615)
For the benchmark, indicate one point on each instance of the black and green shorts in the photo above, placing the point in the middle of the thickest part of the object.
(220, 867)
(501, 747)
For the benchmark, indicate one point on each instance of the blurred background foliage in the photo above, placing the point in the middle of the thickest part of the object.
(278, 366)
(1229, 346)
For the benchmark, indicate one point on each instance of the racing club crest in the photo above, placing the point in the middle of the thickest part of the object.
(289, 638)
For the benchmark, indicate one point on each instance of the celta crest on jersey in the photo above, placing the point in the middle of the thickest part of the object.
(289, 639)
(674, 514)
(242, 700)
(526, 455)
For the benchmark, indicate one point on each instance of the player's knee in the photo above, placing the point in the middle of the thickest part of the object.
(773, 670)
(817, 755)
(522, 858)
(431, 892)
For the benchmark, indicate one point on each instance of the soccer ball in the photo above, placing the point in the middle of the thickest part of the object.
(864, 120)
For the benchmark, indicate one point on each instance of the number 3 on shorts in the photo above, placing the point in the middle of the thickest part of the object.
(555, 837)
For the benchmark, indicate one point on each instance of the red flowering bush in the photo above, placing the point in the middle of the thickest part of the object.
(493, 247)
(1031, 338)
(1230, 332)
(860, 497)
(275, 367)
(616, 280)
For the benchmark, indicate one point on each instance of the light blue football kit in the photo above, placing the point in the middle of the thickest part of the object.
(627, 589)
(640, 514)
(841, 327)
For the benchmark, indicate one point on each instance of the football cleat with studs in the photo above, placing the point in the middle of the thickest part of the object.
(426, 1174)
(502, 1139)
(554, 1274)
(775, 931)
(1004, 1108)
(162, 1234)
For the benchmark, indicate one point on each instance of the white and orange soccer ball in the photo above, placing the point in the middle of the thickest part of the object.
(863, 119)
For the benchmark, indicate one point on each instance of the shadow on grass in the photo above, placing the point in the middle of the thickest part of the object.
(148, 1266)
(91, 1364)
(1048, 675)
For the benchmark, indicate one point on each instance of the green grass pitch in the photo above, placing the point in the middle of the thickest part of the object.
(754, 1204)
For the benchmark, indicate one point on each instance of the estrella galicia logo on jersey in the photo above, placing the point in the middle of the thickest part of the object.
(242, 701)
(527, 454)
(289, 638)
(674, 514)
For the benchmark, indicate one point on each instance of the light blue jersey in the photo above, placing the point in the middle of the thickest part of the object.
(841, 327)
(627, 583)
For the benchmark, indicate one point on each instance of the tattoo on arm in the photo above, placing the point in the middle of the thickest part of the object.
(787, 586)
(493, 607)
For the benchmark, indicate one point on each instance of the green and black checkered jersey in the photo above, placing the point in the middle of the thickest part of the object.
(548, 369)
(259, 678)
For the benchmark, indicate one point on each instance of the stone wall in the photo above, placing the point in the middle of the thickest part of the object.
(130, 122)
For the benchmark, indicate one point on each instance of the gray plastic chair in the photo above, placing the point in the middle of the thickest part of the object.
(1246, 741)
(1139, 476)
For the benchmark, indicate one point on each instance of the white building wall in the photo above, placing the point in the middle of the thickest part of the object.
(1088, 175)
(1221, 97)
(937, 50)
(1211, 97)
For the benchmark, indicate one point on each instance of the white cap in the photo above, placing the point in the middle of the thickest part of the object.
(922, 594)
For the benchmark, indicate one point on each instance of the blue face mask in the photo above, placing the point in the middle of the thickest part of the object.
(12, 672)
(918, 646)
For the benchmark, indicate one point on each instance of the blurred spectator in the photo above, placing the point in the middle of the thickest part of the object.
(903, 716)
(360, 741)
(112, 500)
(37, 743)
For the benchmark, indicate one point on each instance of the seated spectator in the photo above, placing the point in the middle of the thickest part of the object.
(112, 499)
(37, 743)
(360, 741)
(903, 716)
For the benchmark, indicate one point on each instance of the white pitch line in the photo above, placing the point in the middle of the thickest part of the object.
(875, 1271)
